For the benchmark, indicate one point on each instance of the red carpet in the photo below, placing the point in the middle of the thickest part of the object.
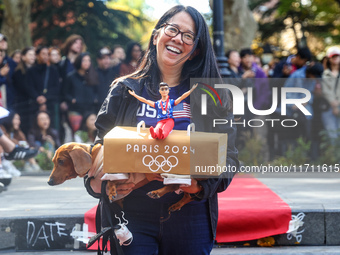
(249, 210)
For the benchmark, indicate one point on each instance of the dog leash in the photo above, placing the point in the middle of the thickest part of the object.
(108, 233)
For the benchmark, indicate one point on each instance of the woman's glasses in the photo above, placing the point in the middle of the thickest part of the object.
(172, 31)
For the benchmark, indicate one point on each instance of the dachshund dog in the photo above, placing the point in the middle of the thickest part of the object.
(75, 159)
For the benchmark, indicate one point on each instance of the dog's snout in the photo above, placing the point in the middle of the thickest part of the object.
(51, 182)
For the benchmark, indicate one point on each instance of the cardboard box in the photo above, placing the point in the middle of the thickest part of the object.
(129, 151)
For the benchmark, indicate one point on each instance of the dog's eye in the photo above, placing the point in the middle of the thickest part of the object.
(60, 161)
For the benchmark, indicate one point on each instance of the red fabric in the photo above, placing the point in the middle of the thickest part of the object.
(249, 210)
(75, 120)
(162, 129)
(90, 220)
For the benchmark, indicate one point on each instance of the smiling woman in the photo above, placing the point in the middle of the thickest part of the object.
(179, 49)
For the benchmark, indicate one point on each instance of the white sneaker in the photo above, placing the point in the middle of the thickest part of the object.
(5, 178)
(10, 168)
(36, 167)
(28, 168)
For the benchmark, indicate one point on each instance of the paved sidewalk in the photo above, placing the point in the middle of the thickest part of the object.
(30, 197)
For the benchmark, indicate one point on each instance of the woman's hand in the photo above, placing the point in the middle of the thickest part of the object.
(193, 188)
(132, 92)
(336, 111)
(4, 70)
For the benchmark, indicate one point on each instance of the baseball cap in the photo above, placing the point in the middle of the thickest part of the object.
(3, 37)
(333, 51)
(104, 52)
(316, 69)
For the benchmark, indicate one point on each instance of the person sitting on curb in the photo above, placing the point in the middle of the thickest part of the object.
(12, 152)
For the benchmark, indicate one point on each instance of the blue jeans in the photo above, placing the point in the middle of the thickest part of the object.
(186, 232)
(331, 124)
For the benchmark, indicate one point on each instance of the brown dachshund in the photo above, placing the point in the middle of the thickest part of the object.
(76, 159)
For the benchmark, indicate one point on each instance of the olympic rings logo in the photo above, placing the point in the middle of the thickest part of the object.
(160, 162)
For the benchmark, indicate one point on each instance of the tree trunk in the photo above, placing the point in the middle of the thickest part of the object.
(239, 24)
(16, 24)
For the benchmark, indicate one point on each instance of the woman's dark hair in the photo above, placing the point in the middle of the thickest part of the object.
(79, 59)
(35, 130)
(40, 48)
(328, 64)
(15, 52)
(229, 53)
(129, 49)
(246, 51)
(7, 122)
(22, 66)
(202, 65)
(91, 75)
(35, 127)
(65, 48)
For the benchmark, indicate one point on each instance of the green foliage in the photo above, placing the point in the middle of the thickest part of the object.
(252, 153)
(54, 21)
(330, 153)
(44, 161)
(19, 164)
(140, 26)
(320, 18)
(296, 155)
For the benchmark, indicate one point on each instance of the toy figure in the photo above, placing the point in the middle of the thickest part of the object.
(164, 107)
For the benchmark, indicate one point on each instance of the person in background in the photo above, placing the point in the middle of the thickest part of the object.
(133, 56)
(71, 49)
(87, 132)
(283, 69)
(42, 136)
(261, 98)
(234, 62)
(80, 94)
(298, 79)
(331, 91)
(23, 103)
(289, 65)
(118, 55)
(16, 56)
(234, 77)
(7, 67)
(54, 55)
(106, 75)
(43, 86)
(11, 128)
(314, 72)
(12, 152)
(181, 44)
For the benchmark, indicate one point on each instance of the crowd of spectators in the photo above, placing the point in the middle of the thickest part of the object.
(301, 70)
(53, 93)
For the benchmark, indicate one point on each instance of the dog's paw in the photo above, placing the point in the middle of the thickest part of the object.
(153, 194)
(175, 207)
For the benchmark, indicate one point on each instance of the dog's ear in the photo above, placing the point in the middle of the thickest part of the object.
(82, 160)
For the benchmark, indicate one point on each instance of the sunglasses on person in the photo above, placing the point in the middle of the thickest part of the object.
(164, 89)
(172, 31)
